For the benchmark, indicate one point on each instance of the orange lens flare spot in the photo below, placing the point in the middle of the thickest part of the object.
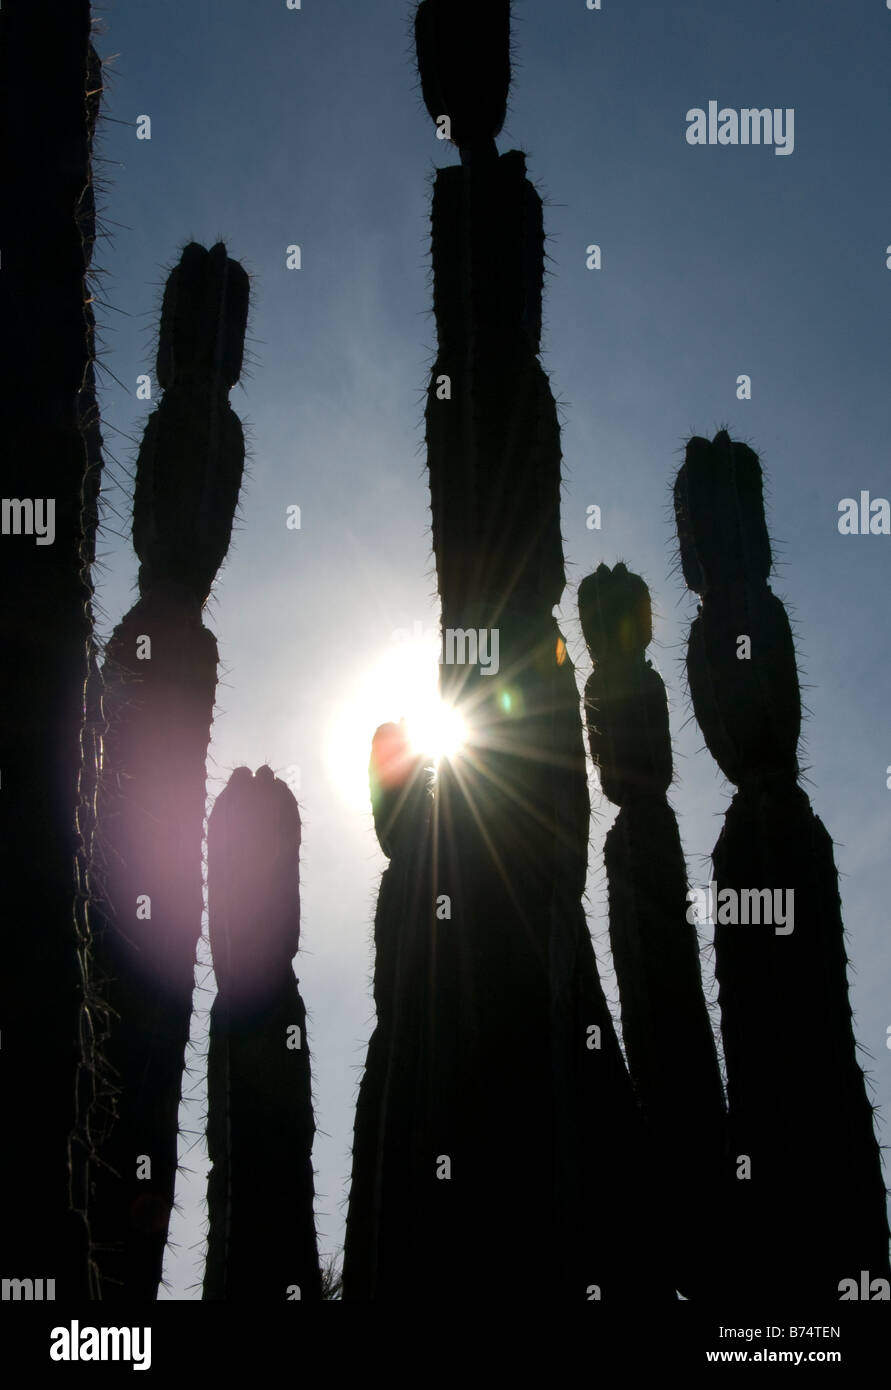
(392, 759)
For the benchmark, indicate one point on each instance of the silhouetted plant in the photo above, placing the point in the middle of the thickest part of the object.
(390, 1121)
(812, 1212)
(262, 1238)
(665, 1024)
(160, 680)
(491, 1070)
(52, 462)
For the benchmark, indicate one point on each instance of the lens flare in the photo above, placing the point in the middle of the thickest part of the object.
(402, 684)
(437, 730)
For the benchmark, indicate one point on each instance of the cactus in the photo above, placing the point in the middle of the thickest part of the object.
(494, 1011)
(94, 1086)
(665, 1023)
(391, 1123)
(262, 1239)
(52, 463)
(463, 51)
(160, 680)
(812, 1211)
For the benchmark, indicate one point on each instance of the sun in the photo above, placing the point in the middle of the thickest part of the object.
(435, 729)
(402, 684)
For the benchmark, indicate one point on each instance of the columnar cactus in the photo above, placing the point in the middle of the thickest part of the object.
(665, 1023)
(521, 1099)
(809, 1193)
(51, 466)
(262, 1238)
(397, 1092)
(160, 677)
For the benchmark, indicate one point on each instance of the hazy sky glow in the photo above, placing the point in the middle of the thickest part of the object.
(273, 127)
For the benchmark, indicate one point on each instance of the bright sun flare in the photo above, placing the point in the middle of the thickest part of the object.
(403, 684)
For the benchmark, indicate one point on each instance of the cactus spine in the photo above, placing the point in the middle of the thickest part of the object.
(52, 463)
(262, 1239)
(812, 1211)
(160, 680)
(665, 1023)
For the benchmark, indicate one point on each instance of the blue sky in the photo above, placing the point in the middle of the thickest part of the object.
(271, 127)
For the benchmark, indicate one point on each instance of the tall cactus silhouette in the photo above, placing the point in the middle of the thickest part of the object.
(665, 1024)
(160, 680)
(262, 1239)
(51, 469)
(390, 1125)
(809, 1196)
(508, 1074)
